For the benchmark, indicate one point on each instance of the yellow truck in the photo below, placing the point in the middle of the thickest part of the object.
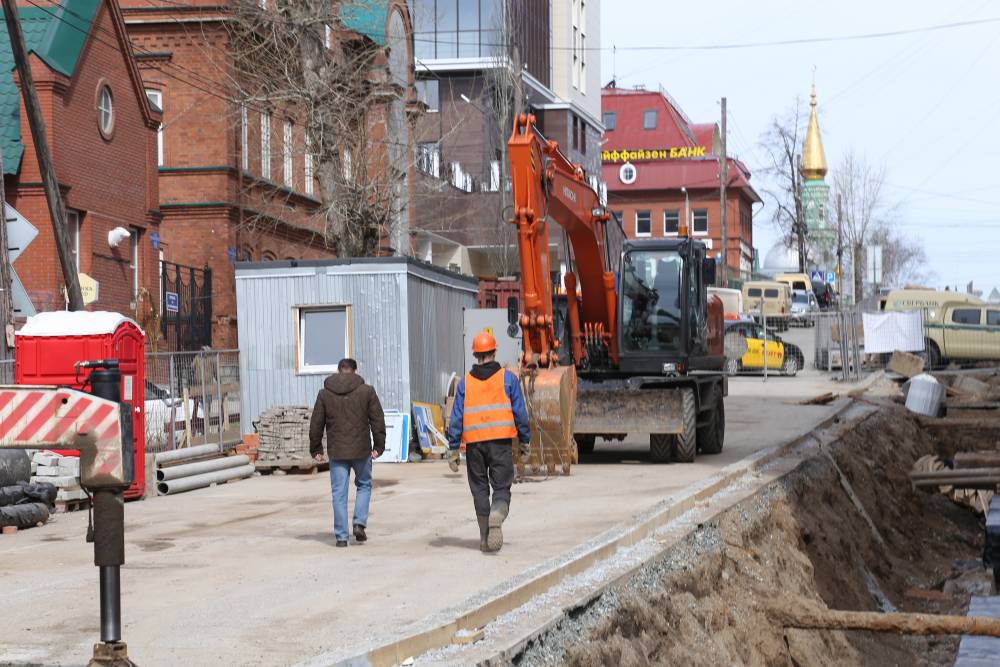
(957, 327)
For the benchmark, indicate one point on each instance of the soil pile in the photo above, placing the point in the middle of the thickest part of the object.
(844, 530)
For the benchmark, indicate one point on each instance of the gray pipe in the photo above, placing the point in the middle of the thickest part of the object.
(186, 453)
(203, 480)
(199, 467)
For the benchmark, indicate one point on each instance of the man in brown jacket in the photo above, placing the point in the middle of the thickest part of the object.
(350, 413)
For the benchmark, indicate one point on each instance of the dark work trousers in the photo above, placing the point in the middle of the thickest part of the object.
(489, 463)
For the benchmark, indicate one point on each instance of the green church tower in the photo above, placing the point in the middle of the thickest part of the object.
(821, 234)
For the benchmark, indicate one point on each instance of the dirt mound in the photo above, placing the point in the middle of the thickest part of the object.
(845, 529)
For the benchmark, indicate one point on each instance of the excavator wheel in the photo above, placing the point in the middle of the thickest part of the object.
(685, 444)
(712, 435)
(661, 448)
(585, 444)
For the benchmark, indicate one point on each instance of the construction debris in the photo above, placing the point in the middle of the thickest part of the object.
(906, 364)
(284, 434)
(970, 386)
(63, 472)
(822, 399)
(976, 492)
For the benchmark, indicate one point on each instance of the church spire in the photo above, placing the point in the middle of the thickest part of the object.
(813, 158)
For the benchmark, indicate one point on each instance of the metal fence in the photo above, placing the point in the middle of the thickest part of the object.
(7, 371)
(192, 398)
(838, 338)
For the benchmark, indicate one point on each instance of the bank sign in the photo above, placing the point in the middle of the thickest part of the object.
(650, 154)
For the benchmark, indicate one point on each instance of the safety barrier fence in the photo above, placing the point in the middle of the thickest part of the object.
(191, 398)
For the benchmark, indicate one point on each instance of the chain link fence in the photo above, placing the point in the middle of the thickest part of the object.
(192, 398)
(7, 371)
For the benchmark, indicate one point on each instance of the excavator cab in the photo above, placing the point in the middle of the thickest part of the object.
(663, 316)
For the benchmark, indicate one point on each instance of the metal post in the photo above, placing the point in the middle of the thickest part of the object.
(723, 176)
(204, 396)
(111, 604)
(218, 391)
(175, 395)
(763, 323)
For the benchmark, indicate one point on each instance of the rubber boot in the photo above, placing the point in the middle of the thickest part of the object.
(498, 513)
(484, 530)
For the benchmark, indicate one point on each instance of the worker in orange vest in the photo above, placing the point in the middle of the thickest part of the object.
(489, 412)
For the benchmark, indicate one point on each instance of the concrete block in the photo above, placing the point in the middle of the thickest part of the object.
(47, 471)
(46, 458)
(71, 494)
(70, 463)
(906, 364)
(69, 471)
(58, 482)
(969, 385)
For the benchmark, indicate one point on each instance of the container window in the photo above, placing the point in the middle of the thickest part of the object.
(771, 293)
(753, 291)
(966, 316)
(324, 338)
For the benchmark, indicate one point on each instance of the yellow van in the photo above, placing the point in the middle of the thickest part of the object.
(771, 298)
(795, 281)
(931, 301)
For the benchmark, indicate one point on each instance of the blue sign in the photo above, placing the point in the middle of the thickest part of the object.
(816, 277)
(154, 238)
(831, 278)
(231, 252)
(171, 303)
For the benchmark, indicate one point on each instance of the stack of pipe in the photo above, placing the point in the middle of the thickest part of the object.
(197, 467)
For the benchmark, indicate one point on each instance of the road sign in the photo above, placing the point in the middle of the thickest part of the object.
(816, 276)
(90, 289)
(831, 277)
(171, 303)
(20, 234)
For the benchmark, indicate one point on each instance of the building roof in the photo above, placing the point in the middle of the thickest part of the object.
(813, 157)
(676, 153)
(57, 36)
(367, 17)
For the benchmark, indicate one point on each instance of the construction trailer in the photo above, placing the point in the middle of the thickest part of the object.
(401, 319)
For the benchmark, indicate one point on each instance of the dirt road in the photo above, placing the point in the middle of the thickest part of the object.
(247, 574)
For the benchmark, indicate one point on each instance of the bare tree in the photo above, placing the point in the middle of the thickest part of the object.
(866, 209)
(903, 258)
(292, 58)
(780, 144)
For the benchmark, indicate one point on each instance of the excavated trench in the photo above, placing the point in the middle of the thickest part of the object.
(843, 530)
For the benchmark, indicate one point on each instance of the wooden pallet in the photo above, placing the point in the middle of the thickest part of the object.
(72, 505)
(291, 466)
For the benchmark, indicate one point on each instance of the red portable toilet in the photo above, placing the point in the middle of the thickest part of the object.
(49, 344)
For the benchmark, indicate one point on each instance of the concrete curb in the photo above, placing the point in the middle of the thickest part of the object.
(439, 630)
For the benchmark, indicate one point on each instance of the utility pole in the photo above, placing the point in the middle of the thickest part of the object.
(57, 210)
(6, 299)
(723, 175)
(840, 247)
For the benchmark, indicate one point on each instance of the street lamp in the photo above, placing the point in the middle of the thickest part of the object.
(687, 212)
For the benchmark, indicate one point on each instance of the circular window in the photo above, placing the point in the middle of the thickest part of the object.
(627, 173)
(105, 111)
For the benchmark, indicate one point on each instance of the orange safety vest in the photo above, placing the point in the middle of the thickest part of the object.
(488, 414)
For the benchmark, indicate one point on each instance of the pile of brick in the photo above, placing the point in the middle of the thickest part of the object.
(63, 472)
(284, 433)
(250, 446)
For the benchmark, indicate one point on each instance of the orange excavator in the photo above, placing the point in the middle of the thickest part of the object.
(635, 344)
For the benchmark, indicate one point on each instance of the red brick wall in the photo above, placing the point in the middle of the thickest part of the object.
(658, 202)
(111, 181)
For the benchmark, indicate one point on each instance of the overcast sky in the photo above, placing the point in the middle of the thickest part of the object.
(926, 104)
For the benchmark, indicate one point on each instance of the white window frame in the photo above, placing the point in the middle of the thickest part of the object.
(73, 230)
(106, 128)
(639, 234)
(301, 335)
(156, 97)
(265, 145)
(287, 174)
(623, 170)
(244, 139)
(308, 174)
(667, 232)
(495, 176)
(708, 223)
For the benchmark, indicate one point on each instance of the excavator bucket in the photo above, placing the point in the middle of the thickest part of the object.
(550, 394)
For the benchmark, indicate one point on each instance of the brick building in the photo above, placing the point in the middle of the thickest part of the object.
(466, 52)
(660, 167)
(236, 180)
(102, 135)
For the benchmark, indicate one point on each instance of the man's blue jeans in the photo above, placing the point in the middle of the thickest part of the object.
(340, 477)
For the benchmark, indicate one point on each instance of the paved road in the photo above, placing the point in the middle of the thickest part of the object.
(247, 574)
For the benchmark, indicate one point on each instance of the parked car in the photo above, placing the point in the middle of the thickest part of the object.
(826, 296)
(804, 306)
(957, 327)
(159, 406)
(787, 358)
(770, 298)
